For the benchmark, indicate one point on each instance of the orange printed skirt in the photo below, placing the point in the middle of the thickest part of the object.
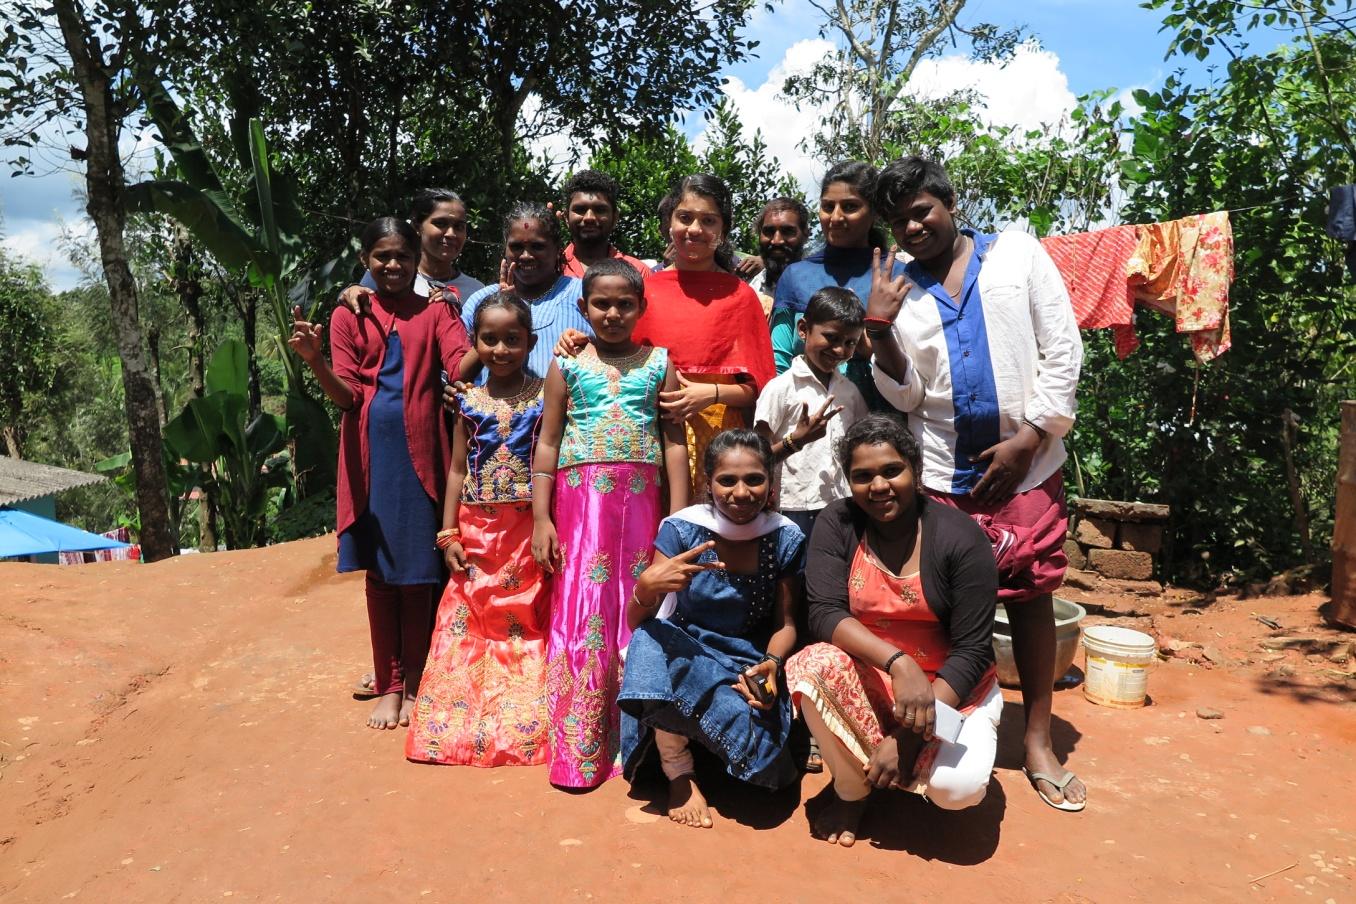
(482, 701)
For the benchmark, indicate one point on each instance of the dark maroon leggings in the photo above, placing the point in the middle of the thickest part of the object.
(400, 618)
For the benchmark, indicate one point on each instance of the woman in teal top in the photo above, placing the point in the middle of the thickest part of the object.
(848, 221)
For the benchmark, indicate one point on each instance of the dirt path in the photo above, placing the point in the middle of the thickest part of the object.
(182, 732)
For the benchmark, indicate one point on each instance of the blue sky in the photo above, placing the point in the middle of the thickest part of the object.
(1093, 44)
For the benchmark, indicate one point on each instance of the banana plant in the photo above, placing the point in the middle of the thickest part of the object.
(213, 430)
(257, 232)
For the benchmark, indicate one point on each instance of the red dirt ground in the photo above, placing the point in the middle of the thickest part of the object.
(183, 732)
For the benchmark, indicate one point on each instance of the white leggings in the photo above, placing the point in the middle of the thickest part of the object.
(960, 773)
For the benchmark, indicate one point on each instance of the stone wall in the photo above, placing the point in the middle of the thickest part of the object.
(1114, 540)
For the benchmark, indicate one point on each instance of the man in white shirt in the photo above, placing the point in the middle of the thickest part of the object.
(977, 343)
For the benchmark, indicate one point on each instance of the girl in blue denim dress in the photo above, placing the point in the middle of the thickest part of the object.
(713, 618)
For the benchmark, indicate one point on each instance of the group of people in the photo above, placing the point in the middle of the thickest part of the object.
(763, 509)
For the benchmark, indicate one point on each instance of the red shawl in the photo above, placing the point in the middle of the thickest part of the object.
(711, 323)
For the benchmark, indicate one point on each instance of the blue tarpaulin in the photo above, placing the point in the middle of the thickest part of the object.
(26, 534)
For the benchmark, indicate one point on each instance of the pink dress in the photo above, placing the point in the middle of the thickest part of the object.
(606, 511)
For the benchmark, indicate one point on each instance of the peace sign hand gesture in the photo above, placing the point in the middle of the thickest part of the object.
(812, 427)
(306, 337)
(667, 576)
(887, 292)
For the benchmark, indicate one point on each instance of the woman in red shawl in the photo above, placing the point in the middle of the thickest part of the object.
(711, 322)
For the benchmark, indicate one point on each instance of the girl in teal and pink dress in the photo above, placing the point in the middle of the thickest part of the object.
(597, 504)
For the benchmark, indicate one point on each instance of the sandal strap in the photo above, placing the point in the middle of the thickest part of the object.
(1060, 784)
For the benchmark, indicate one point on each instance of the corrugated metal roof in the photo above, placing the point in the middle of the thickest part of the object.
(23, 480)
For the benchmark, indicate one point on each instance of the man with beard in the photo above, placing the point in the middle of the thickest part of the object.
(591, 215)
(783, 230)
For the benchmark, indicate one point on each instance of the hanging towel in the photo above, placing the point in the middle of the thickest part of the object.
(1183, 268)
(1093, 266)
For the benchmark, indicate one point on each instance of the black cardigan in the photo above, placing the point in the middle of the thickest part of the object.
(960, 582)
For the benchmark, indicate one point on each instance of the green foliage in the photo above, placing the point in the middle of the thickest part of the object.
(27, 345)
(648, 168)
(1264, 139)
(864, 82)
(215, 430)
(1058, 180)
(751, 173)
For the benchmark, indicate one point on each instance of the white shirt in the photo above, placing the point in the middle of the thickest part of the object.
(1008, 350)
(812, 477)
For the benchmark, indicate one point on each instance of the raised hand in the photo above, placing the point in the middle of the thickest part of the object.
(887, 292)
(672, 575)
(748, 267)
(507, 274)
(452, 393)
(306, 339)
(571, 343)
(812, 427)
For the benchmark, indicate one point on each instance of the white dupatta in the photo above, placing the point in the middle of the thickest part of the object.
(708, 516)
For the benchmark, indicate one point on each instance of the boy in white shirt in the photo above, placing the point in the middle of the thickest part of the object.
(805, 410)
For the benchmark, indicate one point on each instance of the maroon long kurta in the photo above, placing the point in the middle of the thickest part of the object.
(432, 339)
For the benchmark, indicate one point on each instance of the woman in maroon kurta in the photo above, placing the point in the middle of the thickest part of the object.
(386, 379)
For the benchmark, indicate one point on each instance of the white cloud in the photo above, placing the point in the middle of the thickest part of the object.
(784, 125)
(1030, 93)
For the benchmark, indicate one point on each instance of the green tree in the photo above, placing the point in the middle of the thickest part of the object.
(647, 167)
(27, 343)
(865, 82)
(68, 61)
(753, 175)
(1244, 448)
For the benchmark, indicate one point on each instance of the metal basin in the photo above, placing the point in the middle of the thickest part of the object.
(1068, 618)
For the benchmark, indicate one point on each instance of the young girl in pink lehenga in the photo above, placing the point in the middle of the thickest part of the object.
(596, 500)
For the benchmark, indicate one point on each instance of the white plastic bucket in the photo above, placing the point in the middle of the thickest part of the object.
(1117, 669)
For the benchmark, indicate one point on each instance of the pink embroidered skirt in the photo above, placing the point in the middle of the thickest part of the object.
(606, 517)
(482, 701)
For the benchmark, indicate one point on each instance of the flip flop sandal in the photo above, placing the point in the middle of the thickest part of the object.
(814, 763)
(364, 691)
(1060, 784)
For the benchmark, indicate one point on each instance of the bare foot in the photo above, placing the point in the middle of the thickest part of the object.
(838, 823)
(1043, 759)
(387, 711)
(406, 710)
(687, 806)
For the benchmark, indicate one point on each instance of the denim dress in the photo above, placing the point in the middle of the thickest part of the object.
(680, 670)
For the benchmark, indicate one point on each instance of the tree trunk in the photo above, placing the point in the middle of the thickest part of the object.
(13, 448)
(249, 322)
(1344, 524)
(161, 403)
(104, 185)
(188, 286)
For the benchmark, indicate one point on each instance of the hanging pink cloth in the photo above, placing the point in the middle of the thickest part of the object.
(1093, 265)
